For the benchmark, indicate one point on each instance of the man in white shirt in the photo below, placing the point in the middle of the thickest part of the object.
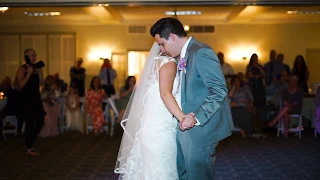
(226, 68)
(107, 76)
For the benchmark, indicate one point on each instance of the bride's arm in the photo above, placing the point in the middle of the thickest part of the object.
(167, 74)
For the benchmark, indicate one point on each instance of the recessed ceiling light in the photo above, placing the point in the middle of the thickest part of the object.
(55, 13)
(42, 13)
(303, 12)
(182, 13)
(292, 12)
(100, 5)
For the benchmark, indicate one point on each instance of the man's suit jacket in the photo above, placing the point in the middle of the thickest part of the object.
(204, 92)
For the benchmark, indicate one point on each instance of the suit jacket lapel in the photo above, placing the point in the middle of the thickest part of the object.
(183, 85)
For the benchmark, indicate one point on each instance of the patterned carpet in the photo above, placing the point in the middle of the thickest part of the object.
(75, 157)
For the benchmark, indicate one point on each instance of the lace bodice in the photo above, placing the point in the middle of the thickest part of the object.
(158, 63)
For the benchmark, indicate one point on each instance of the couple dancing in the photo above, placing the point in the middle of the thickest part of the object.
(178, 112)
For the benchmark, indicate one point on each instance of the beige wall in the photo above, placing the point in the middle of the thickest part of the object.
(290, 39)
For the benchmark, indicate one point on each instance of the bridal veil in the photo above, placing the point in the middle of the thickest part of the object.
(132, 120)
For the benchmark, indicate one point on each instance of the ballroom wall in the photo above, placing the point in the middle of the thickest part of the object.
(237, 42)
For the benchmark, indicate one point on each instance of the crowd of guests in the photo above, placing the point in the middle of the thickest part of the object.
(39, 102)
(263, 89)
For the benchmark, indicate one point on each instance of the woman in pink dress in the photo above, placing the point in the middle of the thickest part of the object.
(94, 98)
(50, 95)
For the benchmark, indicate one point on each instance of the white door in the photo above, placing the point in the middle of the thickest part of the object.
(136, 60)
(9, 56)
(313, 63)
(61, 55)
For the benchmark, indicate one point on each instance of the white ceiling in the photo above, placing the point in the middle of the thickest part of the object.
(27, 3)
(144, 15)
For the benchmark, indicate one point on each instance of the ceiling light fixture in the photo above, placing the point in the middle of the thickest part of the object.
(303, 12)
(3, 9)
(42, 13)
(100, 5)
(292, 12)
(186, 28)
(182, 13)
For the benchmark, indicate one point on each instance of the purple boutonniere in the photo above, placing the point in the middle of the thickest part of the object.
(182, 64)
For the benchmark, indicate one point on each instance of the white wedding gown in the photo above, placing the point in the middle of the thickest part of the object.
(153, 156)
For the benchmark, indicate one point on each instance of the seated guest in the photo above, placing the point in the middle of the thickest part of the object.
(125, 94)
(50, 95)
(94, 98)
(276, 87)
(10, 93)
(73, 112)
(273, 92)
(241, 106)
(317, 111)
(121, 104)
(6, 84)
(292, 103)
(61, 84)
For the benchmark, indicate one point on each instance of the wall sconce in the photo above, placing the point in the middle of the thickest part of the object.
(3, 9)
(2, 95)
(186, 28)
(96, 54)
(242, 53)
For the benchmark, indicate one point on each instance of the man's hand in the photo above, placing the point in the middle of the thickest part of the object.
(188, 122)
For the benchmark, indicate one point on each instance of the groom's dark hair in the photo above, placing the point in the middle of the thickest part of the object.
(166, 26)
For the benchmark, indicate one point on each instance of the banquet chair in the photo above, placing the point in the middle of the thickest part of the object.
(281, 128)
(14, 121)
(316, 128)
(62, 118)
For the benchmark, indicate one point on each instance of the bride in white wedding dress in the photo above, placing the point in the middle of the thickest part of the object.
(148, 148)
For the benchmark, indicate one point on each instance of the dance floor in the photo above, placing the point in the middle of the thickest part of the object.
(74, 157)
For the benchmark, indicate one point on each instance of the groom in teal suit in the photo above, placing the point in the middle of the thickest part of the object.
(203, 99)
